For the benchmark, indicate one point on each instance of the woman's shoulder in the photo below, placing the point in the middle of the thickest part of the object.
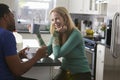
(76, 31)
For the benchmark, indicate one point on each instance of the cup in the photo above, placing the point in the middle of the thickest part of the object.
(31, 52)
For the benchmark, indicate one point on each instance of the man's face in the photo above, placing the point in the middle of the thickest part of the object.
(10, 21)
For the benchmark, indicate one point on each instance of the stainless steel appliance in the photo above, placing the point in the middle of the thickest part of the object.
(109, 63)
(112, 54)
(108, 32)
(90, 48)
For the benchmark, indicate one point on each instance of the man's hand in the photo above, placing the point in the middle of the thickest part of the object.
(22, 53)
(42, 52)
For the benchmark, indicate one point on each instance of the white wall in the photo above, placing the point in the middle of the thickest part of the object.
(11, 3)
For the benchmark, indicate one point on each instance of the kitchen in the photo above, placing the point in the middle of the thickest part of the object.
(99, 12)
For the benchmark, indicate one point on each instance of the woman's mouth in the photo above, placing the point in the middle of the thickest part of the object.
(57, 25)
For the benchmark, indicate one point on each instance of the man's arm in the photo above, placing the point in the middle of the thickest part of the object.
(18, 68)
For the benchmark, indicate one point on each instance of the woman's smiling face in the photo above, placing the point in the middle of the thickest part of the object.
(57, 20)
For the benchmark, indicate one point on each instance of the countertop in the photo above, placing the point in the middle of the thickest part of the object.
(48, 62)
(102, 41)
(30, 40)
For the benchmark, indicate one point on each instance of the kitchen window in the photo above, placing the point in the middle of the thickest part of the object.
(34, 11)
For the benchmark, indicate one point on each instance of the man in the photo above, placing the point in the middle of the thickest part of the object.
(10, 62)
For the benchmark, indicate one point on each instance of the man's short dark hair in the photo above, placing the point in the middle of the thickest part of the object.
(4, 9)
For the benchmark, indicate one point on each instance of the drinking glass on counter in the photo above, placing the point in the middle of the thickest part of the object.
(31, 52)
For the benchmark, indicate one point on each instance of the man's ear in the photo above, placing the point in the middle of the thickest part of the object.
(5, 17)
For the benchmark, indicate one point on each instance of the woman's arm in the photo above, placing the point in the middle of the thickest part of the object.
(41, 42)
(49, 46)
(74, 39)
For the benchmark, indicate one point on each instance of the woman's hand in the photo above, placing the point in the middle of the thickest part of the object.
(61, 29)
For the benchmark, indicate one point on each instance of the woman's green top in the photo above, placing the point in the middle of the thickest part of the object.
(72, 52)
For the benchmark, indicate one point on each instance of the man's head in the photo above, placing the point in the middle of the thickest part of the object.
(6, 18)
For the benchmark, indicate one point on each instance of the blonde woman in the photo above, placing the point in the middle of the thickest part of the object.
(67, 42)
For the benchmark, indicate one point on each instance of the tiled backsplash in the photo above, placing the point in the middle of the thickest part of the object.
(96, 19)
(81, 16)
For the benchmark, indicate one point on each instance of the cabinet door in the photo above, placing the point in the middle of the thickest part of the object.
(95, 7)
(90, 7)
(100, 61)
(83, 6)
(76, 6)
(102, 1)
(63, 3)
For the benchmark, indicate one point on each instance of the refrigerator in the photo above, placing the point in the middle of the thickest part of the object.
(108, 56)
(112, 54)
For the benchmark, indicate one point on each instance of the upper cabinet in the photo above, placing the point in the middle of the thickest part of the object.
(91, 7)
(63, 3)
(76, 6)
(101, 1)
(83, 6)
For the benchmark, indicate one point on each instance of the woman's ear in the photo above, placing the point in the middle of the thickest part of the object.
(66, 20)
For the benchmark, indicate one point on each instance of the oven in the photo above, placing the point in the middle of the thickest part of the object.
(90, 48)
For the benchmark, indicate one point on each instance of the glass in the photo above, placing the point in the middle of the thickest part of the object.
(31, 52)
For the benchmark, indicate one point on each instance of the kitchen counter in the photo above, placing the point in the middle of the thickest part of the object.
(93, 40)
(44, 69)
(30, 40)
(48, 62)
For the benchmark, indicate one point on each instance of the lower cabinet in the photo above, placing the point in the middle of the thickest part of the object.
(42, 72)
(100, 61)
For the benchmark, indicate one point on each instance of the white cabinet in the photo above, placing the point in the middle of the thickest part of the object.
(76, 6)
(42, 72)
(63, 3)
(100, 61)
(101, 1)
(91, 7)
(83, 6)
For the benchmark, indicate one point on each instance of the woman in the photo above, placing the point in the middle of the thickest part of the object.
(67, 42)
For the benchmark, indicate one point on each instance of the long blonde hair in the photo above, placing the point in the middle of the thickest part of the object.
(67, 19)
